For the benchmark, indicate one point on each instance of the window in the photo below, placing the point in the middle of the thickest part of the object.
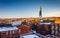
(10, 32)
(15, 36)
(7, 33)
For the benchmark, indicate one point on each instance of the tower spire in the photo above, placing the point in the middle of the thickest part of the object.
(40, 14)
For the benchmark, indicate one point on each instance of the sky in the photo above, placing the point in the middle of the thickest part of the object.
(29, 8)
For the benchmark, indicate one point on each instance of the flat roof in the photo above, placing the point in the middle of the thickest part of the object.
(7, 27)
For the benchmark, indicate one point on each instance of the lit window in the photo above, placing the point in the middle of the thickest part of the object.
(13, 32)
(10, 32)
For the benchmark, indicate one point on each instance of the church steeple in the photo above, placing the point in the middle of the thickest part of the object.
(40, 14)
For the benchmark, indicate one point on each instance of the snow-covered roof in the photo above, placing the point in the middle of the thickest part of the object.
(34, 35)
(16, 23)
(45, 23)
(7, 27)
(31, 36)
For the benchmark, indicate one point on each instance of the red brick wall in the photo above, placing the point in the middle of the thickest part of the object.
(24, 29)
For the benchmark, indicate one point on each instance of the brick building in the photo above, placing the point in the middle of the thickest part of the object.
(8, 31)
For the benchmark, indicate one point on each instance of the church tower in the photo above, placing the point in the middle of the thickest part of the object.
(40, 14)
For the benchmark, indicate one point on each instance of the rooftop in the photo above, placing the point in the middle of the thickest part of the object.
(7, 27)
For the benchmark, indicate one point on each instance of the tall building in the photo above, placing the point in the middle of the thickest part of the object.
(40, 17)
(44, 26)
